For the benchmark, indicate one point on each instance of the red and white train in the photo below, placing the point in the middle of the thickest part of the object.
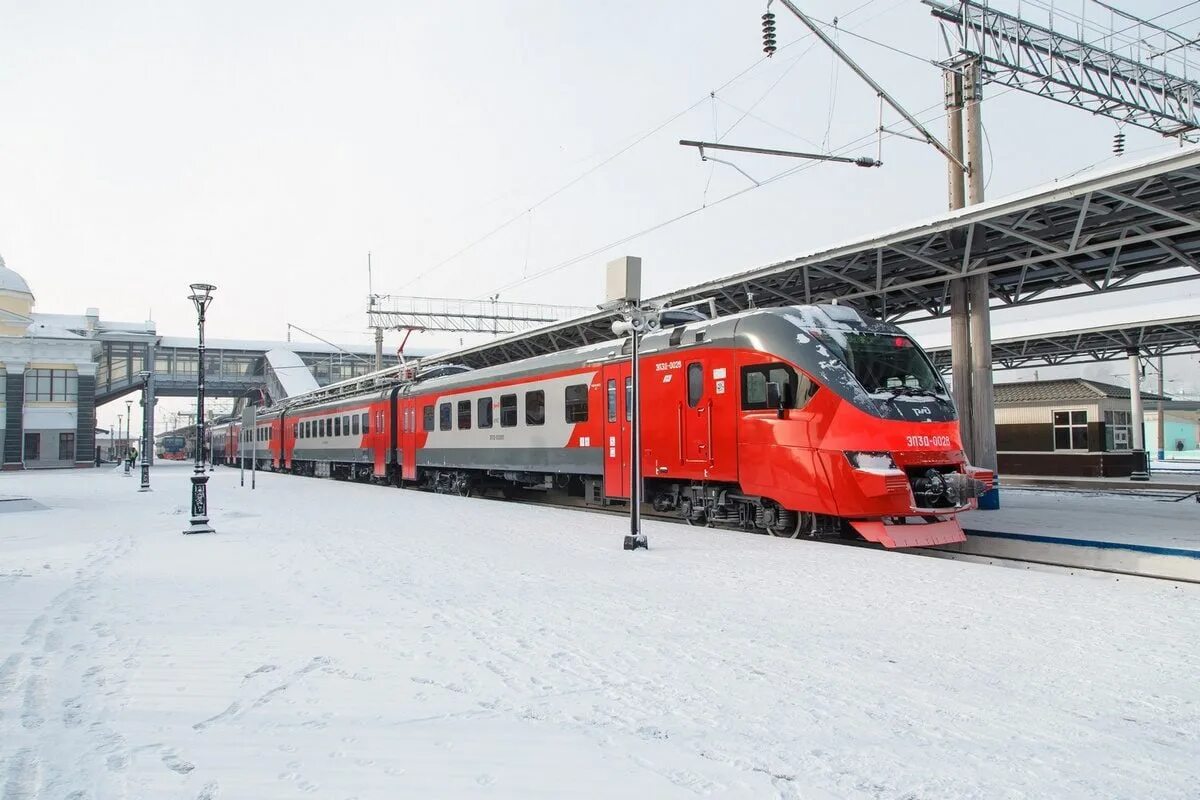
(796, 421)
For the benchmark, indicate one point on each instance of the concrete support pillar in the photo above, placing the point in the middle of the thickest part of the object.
(960, 336)
(983, 402)
(1137, 418)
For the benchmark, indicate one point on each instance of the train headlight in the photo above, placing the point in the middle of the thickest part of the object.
(870, 460)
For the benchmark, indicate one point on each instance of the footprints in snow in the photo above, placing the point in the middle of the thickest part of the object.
(236, 707)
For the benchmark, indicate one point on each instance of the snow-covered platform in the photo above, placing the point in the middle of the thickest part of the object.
(340, 640)
(1157, 536)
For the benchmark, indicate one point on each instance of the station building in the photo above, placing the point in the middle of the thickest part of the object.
(47, 385)
(1069, 427)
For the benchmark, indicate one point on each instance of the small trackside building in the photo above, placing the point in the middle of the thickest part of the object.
(1071, 427)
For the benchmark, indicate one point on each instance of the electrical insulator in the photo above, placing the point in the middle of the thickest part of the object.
(768, 23)
(1119, 143)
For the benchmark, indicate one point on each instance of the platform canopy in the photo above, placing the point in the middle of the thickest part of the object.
(1165, 337)
(1134, 226)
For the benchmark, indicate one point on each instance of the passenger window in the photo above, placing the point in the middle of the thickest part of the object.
(695, 383)
(576, 398)
(535, 407)
(612, 400)
(485, 412)
(366, 422)
(464, 415)
(346, 425)
(427, 418)
(444, 417)
(337, 426)
(354, 425)
(508, 410)
(796, 389)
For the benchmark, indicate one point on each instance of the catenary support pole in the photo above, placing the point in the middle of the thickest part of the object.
(635, 444)
(378, 349)
(1138, 421)
(960, 330)
(983, 402)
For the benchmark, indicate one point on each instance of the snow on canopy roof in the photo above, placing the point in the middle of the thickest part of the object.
(291, 372)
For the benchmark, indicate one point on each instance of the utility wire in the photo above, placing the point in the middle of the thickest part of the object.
(786, 173)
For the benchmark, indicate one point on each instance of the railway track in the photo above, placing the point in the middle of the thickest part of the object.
(579, 504)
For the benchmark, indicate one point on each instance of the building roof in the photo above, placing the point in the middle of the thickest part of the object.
(1064, 389)
(11, 281)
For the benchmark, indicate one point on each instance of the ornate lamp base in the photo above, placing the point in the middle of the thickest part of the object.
(199, 505)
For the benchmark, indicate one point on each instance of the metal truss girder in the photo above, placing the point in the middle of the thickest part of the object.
(1044, 62)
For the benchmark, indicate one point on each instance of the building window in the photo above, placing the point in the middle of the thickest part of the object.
(66, 447)
(508, 410)
(576, 399)
(1118, 433)
(464, 415)
(485, 412)
(444, 417)
(612, 399)
(427, 418)
(1070, 430)
(51, 386)
(33, 447)
(535, 407)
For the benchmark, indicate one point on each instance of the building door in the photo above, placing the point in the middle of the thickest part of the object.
(33, 447)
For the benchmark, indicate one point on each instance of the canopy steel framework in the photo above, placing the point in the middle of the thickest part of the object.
(1166, 337)
(1132, 227)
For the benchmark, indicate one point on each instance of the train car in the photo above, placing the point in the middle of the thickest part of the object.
(172, 447)
(800, 420)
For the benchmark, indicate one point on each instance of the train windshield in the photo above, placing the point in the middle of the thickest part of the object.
(173, 443)
(891, 365)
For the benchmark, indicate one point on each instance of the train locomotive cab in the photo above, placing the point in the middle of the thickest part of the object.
(847, 427)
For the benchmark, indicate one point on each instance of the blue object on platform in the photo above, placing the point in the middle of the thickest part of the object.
(990, 500)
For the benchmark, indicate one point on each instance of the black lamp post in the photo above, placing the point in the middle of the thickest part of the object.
(201, 297)
(128, 419)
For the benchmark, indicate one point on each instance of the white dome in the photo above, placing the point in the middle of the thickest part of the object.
(11, 281)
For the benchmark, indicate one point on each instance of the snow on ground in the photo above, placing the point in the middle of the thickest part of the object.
(348, 641)
(1093, 515)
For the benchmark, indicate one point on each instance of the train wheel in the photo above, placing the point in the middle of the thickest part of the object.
(789, 524)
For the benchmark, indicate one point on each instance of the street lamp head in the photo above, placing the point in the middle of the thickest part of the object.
(201, 296)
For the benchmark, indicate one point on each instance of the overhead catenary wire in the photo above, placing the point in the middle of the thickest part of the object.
(638, 140)
(732, 195)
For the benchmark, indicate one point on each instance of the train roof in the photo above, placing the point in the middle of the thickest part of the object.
(781, 330)
(771, 329)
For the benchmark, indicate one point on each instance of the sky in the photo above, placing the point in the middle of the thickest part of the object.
(267, 147)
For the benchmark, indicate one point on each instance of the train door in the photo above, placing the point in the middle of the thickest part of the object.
(408, 438)
(617, 393)
(697, 409)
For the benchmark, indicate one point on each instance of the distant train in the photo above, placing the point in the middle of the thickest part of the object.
(172, 448)
(793, 421)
